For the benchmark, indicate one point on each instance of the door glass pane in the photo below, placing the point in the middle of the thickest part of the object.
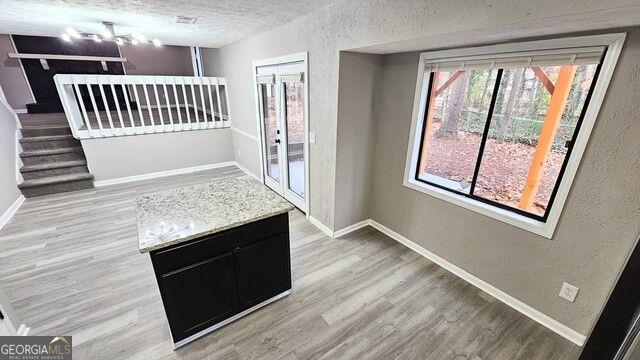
(456, 114)
(294, 116)
(270, 129)
(535, 117)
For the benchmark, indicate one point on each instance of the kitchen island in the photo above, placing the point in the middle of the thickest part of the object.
(219, 251)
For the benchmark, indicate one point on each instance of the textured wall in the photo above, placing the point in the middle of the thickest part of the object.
(356, 136)
(116, 157)
(12, 79)
(596, 231)
(360, 23)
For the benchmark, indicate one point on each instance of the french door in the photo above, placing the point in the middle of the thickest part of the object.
(281, 99)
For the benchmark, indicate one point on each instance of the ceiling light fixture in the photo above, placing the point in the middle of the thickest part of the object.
(139, 37)
(108, 34)
(71, 31)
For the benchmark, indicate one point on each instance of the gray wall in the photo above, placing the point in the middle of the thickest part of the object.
(596, 232)
(12, 78)
(356, 136)
(117, 157)
(9, 192)
(359, 23)
(152, 60)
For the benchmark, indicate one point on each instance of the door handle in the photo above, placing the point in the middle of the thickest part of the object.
(277, 141)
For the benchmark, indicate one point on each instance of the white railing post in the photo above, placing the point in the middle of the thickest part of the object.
(71, 109)
(78, 112)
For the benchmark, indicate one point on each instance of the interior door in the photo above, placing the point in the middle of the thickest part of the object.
(282, 106)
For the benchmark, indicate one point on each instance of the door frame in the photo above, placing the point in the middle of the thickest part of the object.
(281, 60)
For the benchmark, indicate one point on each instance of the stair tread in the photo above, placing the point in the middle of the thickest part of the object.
(50, 180)
(57, 151)
(53, 165)
(35, 127)
(46, 138)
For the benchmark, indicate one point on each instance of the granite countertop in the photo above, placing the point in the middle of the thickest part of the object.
(173, 216)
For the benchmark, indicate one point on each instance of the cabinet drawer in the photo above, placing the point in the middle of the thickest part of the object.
(194, 251)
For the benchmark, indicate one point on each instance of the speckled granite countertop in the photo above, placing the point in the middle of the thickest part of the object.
(170, 217)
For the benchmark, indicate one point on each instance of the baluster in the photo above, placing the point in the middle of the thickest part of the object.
(177, 100)
(213, 112)
(85, 116)
(105, 103)
(195, 103)
(135, 93)
(186, 102)
(166, 99)
(116, 102)
(204, 107)
(146, 96)
(219, 102)
(127, 102)
(158, 105)
(95, 107)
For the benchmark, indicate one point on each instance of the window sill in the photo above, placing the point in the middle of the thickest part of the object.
(544, 229)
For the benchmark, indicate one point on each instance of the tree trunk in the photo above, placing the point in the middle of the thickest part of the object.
(513, 94)
(449, 127)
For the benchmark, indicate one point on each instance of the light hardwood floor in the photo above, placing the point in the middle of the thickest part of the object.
(70, 265)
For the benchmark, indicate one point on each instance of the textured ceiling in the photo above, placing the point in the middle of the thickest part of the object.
(219, 22)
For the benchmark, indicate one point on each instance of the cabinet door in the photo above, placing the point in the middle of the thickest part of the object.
(200, 295)
(263, 270)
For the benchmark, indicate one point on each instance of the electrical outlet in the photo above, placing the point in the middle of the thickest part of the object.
(312, 138)
(568, 292)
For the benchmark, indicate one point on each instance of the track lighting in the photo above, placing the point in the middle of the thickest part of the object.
(71, 31)
(108, 34)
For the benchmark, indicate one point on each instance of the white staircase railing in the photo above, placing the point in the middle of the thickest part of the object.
(99, 106)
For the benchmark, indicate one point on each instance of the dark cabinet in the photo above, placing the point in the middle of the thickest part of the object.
(208, 280)
(200, 295)
(262, 271)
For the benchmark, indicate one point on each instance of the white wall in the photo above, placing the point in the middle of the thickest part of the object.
(365, 23)
(125, 156)
(9, 192)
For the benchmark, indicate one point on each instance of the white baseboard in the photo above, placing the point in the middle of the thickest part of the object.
(351, 228)
(247, 171)
(321, 226)
(544, 320)
(8, 214)
(158, 174)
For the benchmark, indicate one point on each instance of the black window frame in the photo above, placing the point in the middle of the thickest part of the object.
(542, 218)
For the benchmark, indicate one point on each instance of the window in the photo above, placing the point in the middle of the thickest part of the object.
(495, 128)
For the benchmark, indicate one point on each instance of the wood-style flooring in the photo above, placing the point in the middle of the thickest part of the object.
(70, 265)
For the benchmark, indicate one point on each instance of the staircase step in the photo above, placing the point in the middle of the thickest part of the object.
(53, 165)
(38, 171)
(33, 131)
(44, 152)
(49, 142)
(56, 184)
(46, 138)
(44, 156)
